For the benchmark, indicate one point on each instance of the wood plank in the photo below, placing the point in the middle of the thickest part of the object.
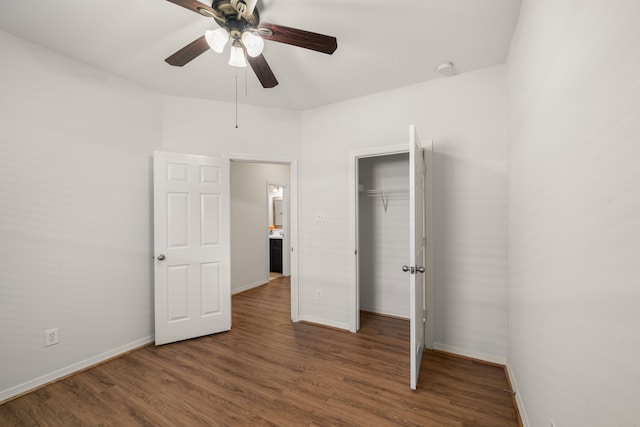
(268, 371)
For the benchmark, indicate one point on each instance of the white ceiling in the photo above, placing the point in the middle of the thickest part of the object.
(381, 44)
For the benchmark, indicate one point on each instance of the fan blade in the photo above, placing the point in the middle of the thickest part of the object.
(300, 38)
(188, 53)
(263, 71)
(196, 6)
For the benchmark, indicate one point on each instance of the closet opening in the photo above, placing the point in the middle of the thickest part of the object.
(391, 233)
(383, 240)
(381, 232)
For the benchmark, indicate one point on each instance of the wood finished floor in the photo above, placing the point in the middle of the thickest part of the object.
(268, 371)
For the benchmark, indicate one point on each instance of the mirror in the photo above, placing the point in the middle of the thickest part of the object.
(276, 206)
(277, 212)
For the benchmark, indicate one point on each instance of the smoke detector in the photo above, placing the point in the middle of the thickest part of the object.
(445, 69)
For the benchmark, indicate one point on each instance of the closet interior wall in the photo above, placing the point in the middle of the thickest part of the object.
(383, 234)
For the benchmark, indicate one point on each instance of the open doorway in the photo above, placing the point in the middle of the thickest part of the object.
(380, 173)
(277, 218)
(383, 215)
(253, 222)
(386, 160)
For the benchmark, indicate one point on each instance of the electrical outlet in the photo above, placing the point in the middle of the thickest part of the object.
(319, 294)
(51, 337)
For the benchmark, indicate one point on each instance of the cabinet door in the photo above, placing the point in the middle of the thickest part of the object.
(275, 255)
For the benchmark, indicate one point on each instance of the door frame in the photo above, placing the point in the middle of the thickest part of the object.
(354, 280)
(354, 285)
(293, 215)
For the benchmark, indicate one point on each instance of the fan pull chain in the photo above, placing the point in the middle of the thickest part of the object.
(236, 97)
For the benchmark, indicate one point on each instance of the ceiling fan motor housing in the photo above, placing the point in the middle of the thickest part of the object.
(237, 10)
(236, 28)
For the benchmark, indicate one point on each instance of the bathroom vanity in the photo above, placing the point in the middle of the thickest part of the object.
(275, 253)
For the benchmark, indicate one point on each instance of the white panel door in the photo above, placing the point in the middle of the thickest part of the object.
(416, 268)
(191, 246)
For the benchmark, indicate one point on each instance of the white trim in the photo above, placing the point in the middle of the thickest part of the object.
(71, 369)
(354, 155)
(492, 358)
(293, 215)
(324, 322)
(380, 151)
(519, 402)
(354, 292)
(258, 158)
(383, 313)
(428, 147)
(248, 286)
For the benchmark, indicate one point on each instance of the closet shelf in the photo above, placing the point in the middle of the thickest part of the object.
(385, 194)
(377, 192)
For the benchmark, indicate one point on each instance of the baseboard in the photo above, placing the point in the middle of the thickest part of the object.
(383, 313)
(324, 322)
(249, 286)
(499, 360)
(517, 397)
(72, 369)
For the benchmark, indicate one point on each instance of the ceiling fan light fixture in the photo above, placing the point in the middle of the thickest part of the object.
(237, 59)
(253, 43)
(217, 39)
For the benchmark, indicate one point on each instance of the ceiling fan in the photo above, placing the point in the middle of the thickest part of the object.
(240, 24)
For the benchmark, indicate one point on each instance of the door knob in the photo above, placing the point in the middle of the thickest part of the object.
(420, 269)
(405, 268)
(161, 257)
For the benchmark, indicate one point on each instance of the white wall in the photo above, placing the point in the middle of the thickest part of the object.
(75, 214)
(466, 116)
(76, 209)
(250, 221)
(76, 202)
(574, 212)
(383, 235)
(199, 126)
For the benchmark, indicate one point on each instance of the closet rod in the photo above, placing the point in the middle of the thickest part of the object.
(377, 192)
(384, 194)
